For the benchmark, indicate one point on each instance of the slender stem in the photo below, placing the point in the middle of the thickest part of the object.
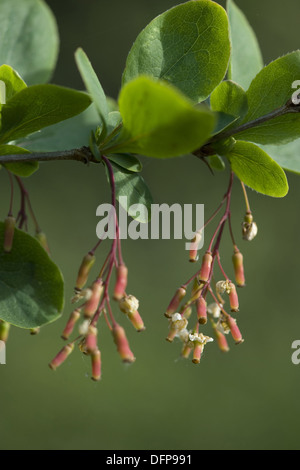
(10, 211)
(82, 154)
(246, 198)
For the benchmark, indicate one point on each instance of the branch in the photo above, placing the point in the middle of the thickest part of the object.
(82, 154)
(208, 149)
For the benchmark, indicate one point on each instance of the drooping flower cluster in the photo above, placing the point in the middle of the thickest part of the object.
(204, 286)
(96, 304)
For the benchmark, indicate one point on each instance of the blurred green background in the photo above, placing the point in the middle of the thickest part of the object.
(247, 399)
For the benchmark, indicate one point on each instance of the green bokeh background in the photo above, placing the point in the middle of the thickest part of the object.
(247, 399)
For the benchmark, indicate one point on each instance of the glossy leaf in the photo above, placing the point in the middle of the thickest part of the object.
(187, 45)
(246, 58)
(37, 107)
(217, 163)
(257, 170)
(31, 285)
(28, 39)
(22, 169)
(270, 90)
(92, 84)
(13, 81)
(158, 121)
(133, 186)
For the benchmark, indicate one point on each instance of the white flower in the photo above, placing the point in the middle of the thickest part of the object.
(214, 309)
(129, 304)
(84, 327)
(183, 335)
(249, 230)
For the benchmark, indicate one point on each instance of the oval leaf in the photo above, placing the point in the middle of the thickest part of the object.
(92, 84)
(287, 156)
(31, 285)
(229, 98)
(131, 189)
(246, 58)
(13, 82)
(126, 161)
(270, 90)
(188, 46)
(257, 170)
(158, 121)
(28, 39)
(37, 107)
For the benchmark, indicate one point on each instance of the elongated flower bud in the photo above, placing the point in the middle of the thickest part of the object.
(90, 307)
(61, 356)
(122, 344)
(221, 340)
(4, 330)
(84, 270)
(201, 310)
(206, 267)
(41, 237)
(175, 302)
(238, 265)
(186, 351)
(137, 321)
(234, 330)
(198, 349)
(121, 282)
(194, 247)
(177, 324)
(9, 230)
(96, 366)
(233, 298)
(91, 345)
(74, 317)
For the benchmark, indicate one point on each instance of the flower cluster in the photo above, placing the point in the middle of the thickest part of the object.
(96, 303)
(204, 285)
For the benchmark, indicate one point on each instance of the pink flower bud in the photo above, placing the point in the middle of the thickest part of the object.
(194, 247)
(233, 298)
(96, 366)
(221, 340)
(4, 330)
(74, 317)
(198, 348)
(84, 270)
(41, 237)
(238, 265)
(122, 344)
(206, 267)
(9, 230)
(186, 351)
(201, 310)
(175, 302)
(90, 307)
(234, 330)
(61, 356)
(137, 321)
(121, 282)
(91, 345)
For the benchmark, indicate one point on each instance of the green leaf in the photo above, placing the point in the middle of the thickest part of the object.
(217, 163)
(69, 134)
(114, 120)
(224, 122)
(37, 107)
(158, 121)
(270, 90)
(92, 84)
(246, 58)
(22, 169)
(187, 45)
(13, 81)
(31, 285)
(134, 188)
(28, 39)
(127, 161)
(229, 98)
(287, 156)
(257, 170)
